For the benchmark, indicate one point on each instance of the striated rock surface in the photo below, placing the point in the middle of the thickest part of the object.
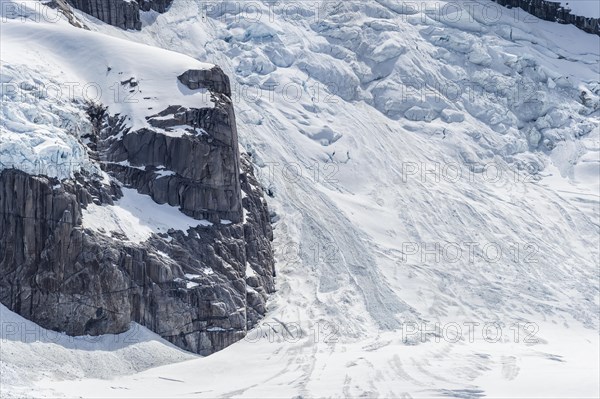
(201, 289)
(63, 7)
(156, 5)
(197, 171)
(124, 14)
(554, 11)
(214, 79)
(121, 13)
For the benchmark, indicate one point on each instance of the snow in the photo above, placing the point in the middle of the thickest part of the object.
(249, 271)
(109, 63)
(585, 8)
(372, 206)
(39, 132)
(180, 130)
(267, 364)
(44, 93)
(128, 165)
(31, 354)
(137, 217)
(162, 172)
(191, 284)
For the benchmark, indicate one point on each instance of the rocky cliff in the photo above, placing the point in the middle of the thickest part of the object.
(208, 188)
(201, 289)
(124, 14)
(554, 11)
(121, 13)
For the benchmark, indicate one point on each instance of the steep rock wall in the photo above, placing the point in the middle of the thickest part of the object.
(553, 11)
(124, 14)
(200, 289)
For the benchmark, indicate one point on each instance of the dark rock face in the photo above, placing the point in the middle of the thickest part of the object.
(121, 13)
(214, 79)
(259, 234)
(156, 5)
(207, 188)
(66, 10)
(554, 11)
(124, 14)
(201, 289)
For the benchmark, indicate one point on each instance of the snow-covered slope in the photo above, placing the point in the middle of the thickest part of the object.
(47, 83)
(434, 173)
(587, 8)
(31, 354)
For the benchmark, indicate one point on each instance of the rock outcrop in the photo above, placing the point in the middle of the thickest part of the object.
(124, 14)
(201, 289)
(63, 7)
(214, 79)
(207, 188)
(156, 5)
(554, 11)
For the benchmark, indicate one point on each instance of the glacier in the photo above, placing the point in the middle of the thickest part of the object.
(433, 172)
